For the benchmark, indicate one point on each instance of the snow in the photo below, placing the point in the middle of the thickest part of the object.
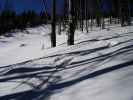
(98, 67)
(112, 86)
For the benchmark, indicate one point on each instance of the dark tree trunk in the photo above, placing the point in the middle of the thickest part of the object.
(53, 34)
(86, 15)
(71, 23)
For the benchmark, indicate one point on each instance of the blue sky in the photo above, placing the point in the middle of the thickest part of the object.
(21, 5)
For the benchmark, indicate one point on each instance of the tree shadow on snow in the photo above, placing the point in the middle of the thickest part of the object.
(46, 73)
(38, 91)
(92, 75)
(44, 94)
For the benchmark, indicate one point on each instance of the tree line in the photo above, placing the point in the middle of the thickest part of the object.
(77, 14)
(10, 21)
(87, 13)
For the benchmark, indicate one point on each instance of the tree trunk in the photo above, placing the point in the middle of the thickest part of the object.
(71, 23)
(53, 34)
(86, 15)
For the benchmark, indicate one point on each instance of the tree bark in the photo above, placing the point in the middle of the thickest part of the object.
(53, 34)
(71, 23)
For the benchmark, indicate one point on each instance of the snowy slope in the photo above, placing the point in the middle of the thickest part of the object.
(98, 67)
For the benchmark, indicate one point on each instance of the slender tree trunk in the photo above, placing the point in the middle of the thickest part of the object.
(81, 15)
(71, 23)
(59, 27)
(103, 23)
(86, 15)
(53, 34)
(91, 22)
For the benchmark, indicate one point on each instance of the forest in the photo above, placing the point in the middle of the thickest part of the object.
(85, 52)
(85, 13)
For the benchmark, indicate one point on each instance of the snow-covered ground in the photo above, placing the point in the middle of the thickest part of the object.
(98, 67)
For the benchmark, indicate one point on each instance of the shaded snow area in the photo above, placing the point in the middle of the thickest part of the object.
(98, 67)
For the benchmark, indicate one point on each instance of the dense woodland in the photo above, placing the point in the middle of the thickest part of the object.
(84, 14)
(87, 13)
(10, 21)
